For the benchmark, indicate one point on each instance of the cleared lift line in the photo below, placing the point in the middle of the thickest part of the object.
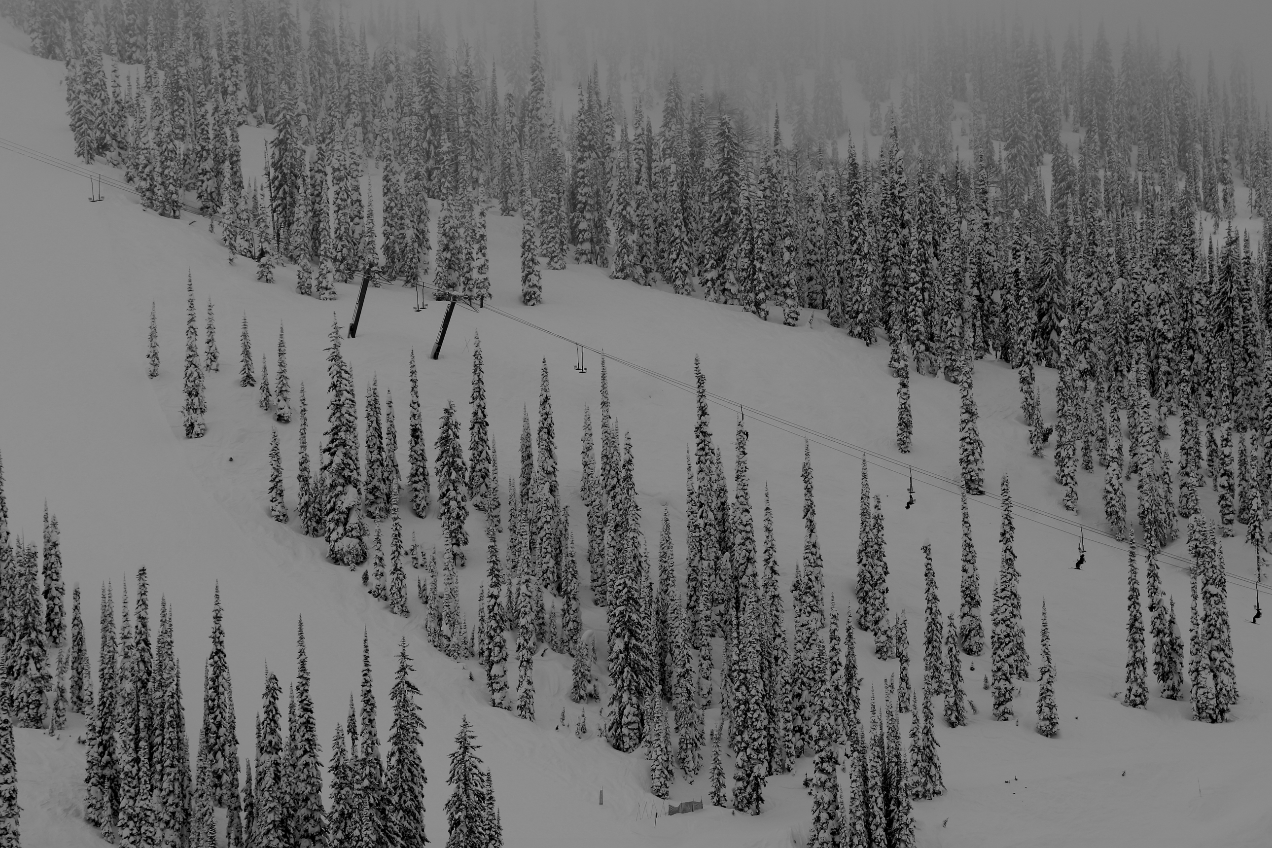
(940, 482)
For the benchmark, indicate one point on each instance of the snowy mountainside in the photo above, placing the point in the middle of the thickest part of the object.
(81, 426)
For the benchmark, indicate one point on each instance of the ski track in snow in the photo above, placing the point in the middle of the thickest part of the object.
(81, 426)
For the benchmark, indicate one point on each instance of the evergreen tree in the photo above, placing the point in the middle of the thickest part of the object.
(689, 719)
(955, 698)
(218, 740)
(396, 595)
(26, 663)
(81, 686)
(152, 349)
(971, 633)
(265, 396)
(307, 496)
(342, 824)
(246, 376)
(812, 550)
(195, 406)
(925, 771)
(531, 286)
(660, 771)
(1114, 493)
(494, 644)
(404, 768)
(451, 505)
(905, 419)
(268, 829)
(376, 502)
(901, 650)
(277, 509)
(829, 816)
(970, 450)
(467, 809)
(479, 471)
(525, 648)
(306, 824)
(718, 798)
(53, 592)
(933, 633)
(282, 392)
(750, 716)
(1048, 716)
(417, 480)
(373, 826)
(1009, 585)
(582, 685)
(340, 484)
(1136, 694)
(9, 809)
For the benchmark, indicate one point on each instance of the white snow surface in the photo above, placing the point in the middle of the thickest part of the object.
(82, 426)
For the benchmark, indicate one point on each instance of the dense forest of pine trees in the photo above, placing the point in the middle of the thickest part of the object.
(998, 242)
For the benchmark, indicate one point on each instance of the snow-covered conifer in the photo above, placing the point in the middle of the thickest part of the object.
(582, 683)
(404, 768)
(812, 549)
(901, 650)
(417, 479)
(376, 493)
(265, 396)
(479, 471)
(340, 484)
(451, 505)
(152, 349)
(9, 809)
(1048, 716)
(53, 591)
(277, 509)
(905, 418)
(525, 648)
(81, 685)
(397, 574)
(282, 391)
(955, 698)
(934, 635)
(531, 286)
(246, 364)
(829, 815)
(308, 501)
(1136, 693)
(195, 406)
(660, 770)
(1009, 585)
(970, 449)
(468, 808)
(718, 798)
(494, 643)
(971, 632)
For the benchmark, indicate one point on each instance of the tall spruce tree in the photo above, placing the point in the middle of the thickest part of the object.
(152, 346)
(452, 507)
(1048, 715)
(404, 768)
(479, 471)
(1136, 693)
(340, 483)
(970, 450)
(195, 405)
(467, 809)
(247, 376)
(417, 479)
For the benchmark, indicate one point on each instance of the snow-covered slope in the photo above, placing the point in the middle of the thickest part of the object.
(81, 426)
